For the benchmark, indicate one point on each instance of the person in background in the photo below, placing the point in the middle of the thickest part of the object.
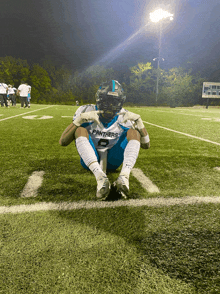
(3, 93)
(23, 91)
(11, 95)
(29, 96)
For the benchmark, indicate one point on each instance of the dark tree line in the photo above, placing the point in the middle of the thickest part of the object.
(51, 84)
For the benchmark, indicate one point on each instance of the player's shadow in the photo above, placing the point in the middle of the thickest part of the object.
(114, 195)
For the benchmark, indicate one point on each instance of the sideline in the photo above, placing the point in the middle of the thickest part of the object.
(185, 134)
(151, 202)
(25, 113)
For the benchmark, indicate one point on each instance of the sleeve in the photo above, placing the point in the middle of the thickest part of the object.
(82, 109)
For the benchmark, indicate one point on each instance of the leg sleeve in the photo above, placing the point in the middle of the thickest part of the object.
(96, 153)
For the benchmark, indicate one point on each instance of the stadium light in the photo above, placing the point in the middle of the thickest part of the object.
(160, 14)
(157, 16)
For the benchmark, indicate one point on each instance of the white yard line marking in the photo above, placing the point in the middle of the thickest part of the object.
(151, 202)
(30, 116)
(181, 133)
(33, 184)
(25, 113)
(145, 181)
(179, 111)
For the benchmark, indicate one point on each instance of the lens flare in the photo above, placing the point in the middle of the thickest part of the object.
(118, 50)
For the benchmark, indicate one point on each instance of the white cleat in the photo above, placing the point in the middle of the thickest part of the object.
(103, 188)
(122, 185)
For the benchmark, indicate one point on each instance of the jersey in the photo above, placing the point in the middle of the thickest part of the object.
(3, 88)
(24, 90)
(104, 135)
(11, 90)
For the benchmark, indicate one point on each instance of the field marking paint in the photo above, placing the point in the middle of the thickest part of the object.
(181, 133)
(150, 202)
(212, 119)
(33, 184)
(25, 113)
(30, 116)
(180, 111)
(36, 117)
(145, 181)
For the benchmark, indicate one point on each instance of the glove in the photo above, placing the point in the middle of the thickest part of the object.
(133, 117)
(87, 116)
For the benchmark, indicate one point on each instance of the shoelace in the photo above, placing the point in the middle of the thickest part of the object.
(105, 181)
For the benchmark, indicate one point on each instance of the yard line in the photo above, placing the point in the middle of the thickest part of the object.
(185, 134)
(25, 113)
(145, 181)
(151, 202)
(33, 184)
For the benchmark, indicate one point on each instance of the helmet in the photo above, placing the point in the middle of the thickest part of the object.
(110, 98)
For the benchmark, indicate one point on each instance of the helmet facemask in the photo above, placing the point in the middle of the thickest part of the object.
(109, 99)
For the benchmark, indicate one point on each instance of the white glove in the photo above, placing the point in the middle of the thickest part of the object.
(133, 117)
(87, 116)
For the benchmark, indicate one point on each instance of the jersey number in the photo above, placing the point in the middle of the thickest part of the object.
(103, 142)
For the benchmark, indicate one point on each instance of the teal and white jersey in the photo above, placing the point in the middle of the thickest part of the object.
(104, 135)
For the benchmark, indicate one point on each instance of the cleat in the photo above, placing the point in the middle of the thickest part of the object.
(103, 188)
(122, 185)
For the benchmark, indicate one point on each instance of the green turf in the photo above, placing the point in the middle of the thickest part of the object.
(121, 250)
(177, 164)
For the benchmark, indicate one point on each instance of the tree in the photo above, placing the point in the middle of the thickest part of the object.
(40, 82)
(85, 85)
(13, 71)
(178, 87)
(142, 84)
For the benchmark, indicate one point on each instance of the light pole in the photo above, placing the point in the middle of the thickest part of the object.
(157, 16)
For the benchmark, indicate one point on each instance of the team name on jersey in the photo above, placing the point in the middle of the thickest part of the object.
(105, 134)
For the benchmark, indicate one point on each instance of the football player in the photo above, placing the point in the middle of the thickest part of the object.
(108, 132)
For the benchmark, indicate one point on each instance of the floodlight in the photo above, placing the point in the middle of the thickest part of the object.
(160, 14)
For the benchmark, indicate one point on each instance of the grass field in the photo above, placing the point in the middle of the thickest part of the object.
(127, 249)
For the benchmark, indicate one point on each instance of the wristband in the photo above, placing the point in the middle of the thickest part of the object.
(145, 139)
(139, 124)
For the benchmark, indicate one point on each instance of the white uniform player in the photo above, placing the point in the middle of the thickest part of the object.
(107, 128)
(11, 95)
(23, 91)
(3, 94)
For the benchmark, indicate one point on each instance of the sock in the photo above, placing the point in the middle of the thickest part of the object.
(130, 157)
(96, 170)
(88, 155)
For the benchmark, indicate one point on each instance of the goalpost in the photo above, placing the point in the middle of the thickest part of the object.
(210, 90)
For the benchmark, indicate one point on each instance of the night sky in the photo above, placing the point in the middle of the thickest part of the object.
(78, 34)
